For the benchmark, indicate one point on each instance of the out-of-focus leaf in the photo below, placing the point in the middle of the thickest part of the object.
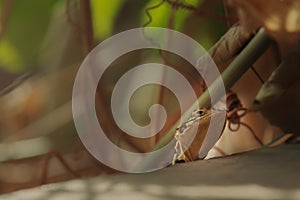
(63, 45)
(230, 44)
(104, 14)
(9, 56)
(24, 33)
(280, 18)
(181, 15)
(205, 29)
(279, 98)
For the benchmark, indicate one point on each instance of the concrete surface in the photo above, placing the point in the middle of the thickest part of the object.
(269, 173)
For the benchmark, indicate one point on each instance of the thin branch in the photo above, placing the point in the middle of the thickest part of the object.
(65, 165)
(257, 75)
(5, 13)
(87, 24)
(161, 93)
(74, 22)
(16, 83)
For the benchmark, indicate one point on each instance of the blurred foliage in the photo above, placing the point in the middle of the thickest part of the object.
(51, 37)
(48, 36)
(27, 24)
(160, 15)
(103, 19)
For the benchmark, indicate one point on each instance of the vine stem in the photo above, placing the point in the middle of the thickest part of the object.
(201, 12)
(248, 56)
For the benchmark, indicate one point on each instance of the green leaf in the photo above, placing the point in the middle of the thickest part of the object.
(27, 25)
(9, 56)
(104, 13)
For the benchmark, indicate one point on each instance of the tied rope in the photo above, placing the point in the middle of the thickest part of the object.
(234, 114)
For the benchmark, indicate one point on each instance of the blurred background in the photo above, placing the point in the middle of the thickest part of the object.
(42, 45)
